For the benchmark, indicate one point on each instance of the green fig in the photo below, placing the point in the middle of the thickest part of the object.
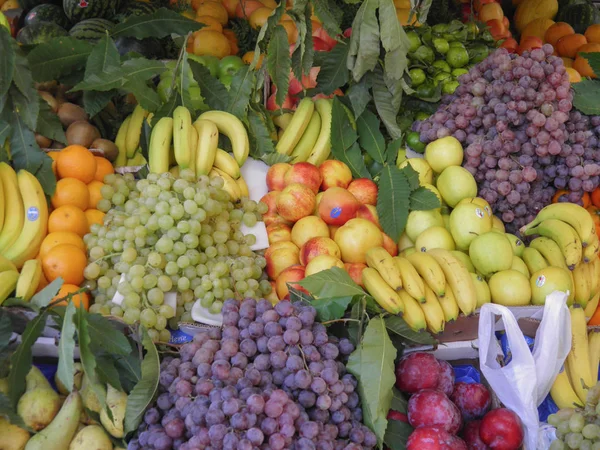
(13, 437)
(92, 437)
(40, 403)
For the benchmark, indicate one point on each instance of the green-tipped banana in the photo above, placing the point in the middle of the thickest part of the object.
(564, 235)
(234, 129)
(322, 147)
(206, 150)
(120, 142)
(182, 122)
(283, 120)
(226, 163)
(297, 126)
(134, 130)
(550, 251)
(29, 278)
(308, 140)
(430, 271)
(160, 145)
(534, 260)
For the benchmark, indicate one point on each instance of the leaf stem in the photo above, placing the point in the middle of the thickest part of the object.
(340, 320)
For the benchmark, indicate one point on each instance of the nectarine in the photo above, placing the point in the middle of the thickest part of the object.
(275, 176)
(364, 190)
(289, 275)
(307, 228)
(337, 206)
(355, 238)
(335, 174)
(295, 202)
(304, 173)
(318, 246)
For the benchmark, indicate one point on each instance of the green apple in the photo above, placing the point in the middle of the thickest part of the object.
(456, 183)
(464, 259)
(519, 265)
(419, 221)
(421, 167)
(482, 290)
(434, 237)
(510, 288)
(444, 152)
(229, 65)
(226, 80)
(467, 221)
(550, 279)
(490, 253)
(517, 244)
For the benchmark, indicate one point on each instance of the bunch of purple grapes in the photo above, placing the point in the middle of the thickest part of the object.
(511, 113)
(272, 378)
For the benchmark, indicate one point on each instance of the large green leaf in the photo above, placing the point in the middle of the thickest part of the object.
(58, 57)
(274, 158)
(593, 60)
(279, 62)
(394, 40)
(586, 97)
(107, 372)
(261, 143)
(331, 308)
(103, 58)
(48, 124)
(23, 78)
(343, 141)
(159, 24)
(25, 152)
(240, 92)
(423, 199)
(45, 296)
(264, 35)
(212, 90)
(183, 83)
(370, 138)
(386, 103)
(28, 110)
(7, 61)
(396, 434)
(166, 110)
(5, 131)
(96, 101)
(399, 402)
(5, 330)
(368, 39)
(372, 363)
(46, 176)
(105, 335)
(9, 411)
(333, 73)
(393, 201)
(397, 325)
(330, 15)
(359, 96)
(308, 48)
(66, 348)
(330, 283)
(144, 94)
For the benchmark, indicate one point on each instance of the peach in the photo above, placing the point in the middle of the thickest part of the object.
(281, 258)
(355, 271)
(322, 262)
(289, 275)
(279, 232)
(337, 206)
(368, 212)
(295, 202)
(318, 246)
(308, 227)
(275, 219)
(356, 237)
(275, 176)
(270, 199)
(390, 245)
(332, 230)
(335, 174)
(317, 201)
(364, 190)
(304, 173)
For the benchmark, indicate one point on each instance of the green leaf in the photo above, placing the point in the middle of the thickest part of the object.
(103, 58)
(8, 410)
(343, 136)
(393, 201)
(145, 95)
(25, 152)
(143, 392)
(20, 360)
(5, 330)
(359, 96)
(259, 135)
(66, 348)
(103, 334)
(274, 158)
(86, 355)
(334, 282)
(359, 313)
(334, 73)
(7, 61)
(166, 110)
(142, 68)
(28, 110)
(396, 434)
(399, 403)
(96, 101)
(394, 40)
(279, 62)
(331, 308)
(23, 78)
(391, 155)
(214, 93)
(107, 372)
(330, 15)
(45, 296)
(296, 295)
(385, 103)
(353, 158)
(397, 325)
(372, 363)
(102, 81)
(308, 48)
(48, 123)
(58, 57)
(4, 134)
(369, 136)
(423, 199)
(412, 176)
(587, 97)
(368, 47)
(159, 24)
(129, 368)
(183, 86)
(145, 139)
(267, 30)
(240, 92)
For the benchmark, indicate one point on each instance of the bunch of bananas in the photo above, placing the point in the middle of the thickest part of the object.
(177, 143)
(306, 134)
(427, 288)
(128, 138)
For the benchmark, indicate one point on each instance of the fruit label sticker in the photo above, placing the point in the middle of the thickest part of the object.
(83, 4)
(32, 15)
(540, 281)
(335, 212)
(479, 213)
(488, 210)
(33, 213)
(518, 242)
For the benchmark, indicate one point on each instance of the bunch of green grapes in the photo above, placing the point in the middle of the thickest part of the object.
(163, 234)
(576, 429)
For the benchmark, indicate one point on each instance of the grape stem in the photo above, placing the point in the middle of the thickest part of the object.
(107, 256)
(340, 320)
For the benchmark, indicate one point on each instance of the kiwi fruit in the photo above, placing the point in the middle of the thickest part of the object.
(108, 147)
(57, 145)
(82, 133)
(42, 141)
(48, 98)
(69, 113)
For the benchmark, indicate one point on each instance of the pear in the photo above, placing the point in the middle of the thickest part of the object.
(510, 288)
(77, 379)
(443, 153)
(92, 437)
(456, 183)
(404, 242)
(467, 221)
(478, 201)
(117, 402)
(434, 237)
(550, 279)
(517, 244)
(482, 289)
(4, 385)
(89, 397)
(59, 434)
(519, 265)
(419, 221)
(490, 253)
(407, 251)
(40, 403)
(11, 436)
(497, 224)
(421, 167)
(464, 259)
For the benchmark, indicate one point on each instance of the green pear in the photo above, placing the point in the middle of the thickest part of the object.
(467, 221)
(407, 251)
(490, 253)
(60, 432)
(92, 437)
(550, 279)
(482, 289)
(434, 237)
(77, 379)
(421, 167)
(464, 259)
(89, 397)
(517, 244)
(519, 265)
(456, 183)
(40, 403)
(443, 153)
(13, 437)
(419, 221)
(117, 402)
(404, 242)
(478, 201)
(510, 288)
(497, 224)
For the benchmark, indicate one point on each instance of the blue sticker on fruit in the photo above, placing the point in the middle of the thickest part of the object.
(179, 337)
(335, 212)
(33, 214)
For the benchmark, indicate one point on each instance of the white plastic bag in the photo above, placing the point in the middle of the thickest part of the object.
(525, 381)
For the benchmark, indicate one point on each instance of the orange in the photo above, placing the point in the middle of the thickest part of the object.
(71, 191)
(230, 6)
(490, 11)
(582, 66)
(568, 45)
(589, 48)
(77, 162)
(529, 43)
(557, 31)
(246, 7)
(66, 261)
(103, 168)
(54, 156)
(233, 41)
(42, 283)
(592, 34)
(291, 30)
(249, 57)
(68, 218)
(79, 300)
(595, 197)
(94, 216)
(60, 237)
(586, 200)
(95, 195)
(568, 62)
(210, 23)
(213, 9)
(209, 42)
(574, 76)
(259, 17)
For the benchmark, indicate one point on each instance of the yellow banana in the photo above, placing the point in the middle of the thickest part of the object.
(8, 282)
(483, 290)
(293, 132)
(449, 305)
(120, 143)
(182, 122)
(13, 204)
(233, 128)
(550, 251)
(307, 142)
(383, 294)
(322, 147)
(594, 276)
(6, 264)
(206, 151)
(193, 148)
(225, 162)
(413, 314)
(579, 357)
(594, 343)
(230, 185)
(137, 160)
(576, 216)
(411, 281)
(2, 205)
(244, 192)
(434, 314)
(35, 221)
(534, 260)
(430, 271)
(458, 279)
(283, 120)
(379, 259)
(134, 130)
(591, 251)
(160, 145)
(562, 391)
(581, 284)
(564, 235)
(174, 171)
(590, 309)
(29, 279)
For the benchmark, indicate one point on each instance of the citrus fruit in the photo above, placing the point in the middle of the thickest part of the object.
(78, 162)
(209, 42)
(557, 31)
(94, 216)
(68, 218)
(66, 261)
(71, 191)
(568, 45)
(94, 192)
(81, 299)
(457, 57)
(213, 9)
(103, 168)
(60, 237)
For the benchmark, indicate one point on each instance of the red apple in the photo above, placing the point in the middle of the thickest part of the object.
(473, 399)
(364, 190)
(288, 103)
(501, 429)
(318, 246)
(280, 256)
(289, 275)
(355, 238)
(432, 438)
(368, 212)
(470, 434)
(308, 227)
(276, 176)
(431, 408)
(279, 232)
(417, 371)
(335, 174)
(446, 383)
(295, 202)
(304, 173)
(320, 45)
(274, 219)
(338, 206)
(389, 245)
(396, 415)
(355, 271)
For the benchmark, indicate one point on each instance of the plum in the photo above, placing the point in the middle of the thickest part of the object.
(501, 429)
(471, 436)
(417, 371)
(434, 438)
(431, 408)
(397, 415)
(456, 443)
(446, 381)
(473, 400)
